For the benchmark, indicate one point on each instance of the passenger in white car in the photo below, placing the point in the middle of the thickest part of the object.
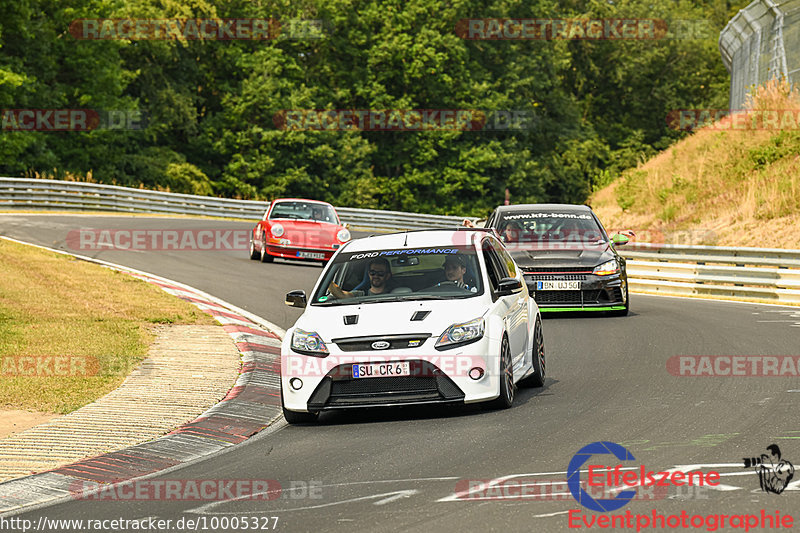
(379, 275)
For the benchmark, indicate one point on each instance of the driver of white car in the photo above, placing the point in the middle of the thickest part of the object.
(455, 266)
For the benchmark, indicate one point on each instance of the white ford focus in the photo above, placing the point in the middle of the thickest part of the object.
(423, 317)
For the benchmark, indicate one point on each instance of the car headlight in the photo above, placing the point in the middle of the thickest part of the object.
(343, 235)
(607, 268)
(277, 230)
(460, 334)
(308, 343)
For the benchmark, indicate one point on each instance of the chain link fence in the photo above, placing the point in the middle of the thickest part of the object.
(760, 43)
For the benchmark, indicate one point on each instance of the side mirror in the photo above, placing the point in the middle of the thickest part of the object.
(508, 286)
(346, 225)
(296, 299)
(619, 239)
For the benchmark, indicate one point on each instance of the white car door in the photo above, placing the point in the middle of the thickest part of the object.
(512, 307)
(519, 307)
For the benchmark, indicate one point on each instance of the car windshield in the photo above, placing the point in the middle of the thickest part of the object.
(435, 273)
(300, 210)
(550, 227)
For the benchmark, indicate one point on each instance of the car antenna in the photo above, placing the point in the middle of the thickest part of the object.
(405, 242)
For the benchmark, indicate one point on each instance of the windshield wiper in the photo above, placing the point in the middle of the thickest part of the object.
(373, 300)
(339, 301)
(413, 298)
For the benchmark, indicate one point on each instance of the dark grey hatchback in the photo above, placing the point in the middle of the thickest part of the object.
(569, 262)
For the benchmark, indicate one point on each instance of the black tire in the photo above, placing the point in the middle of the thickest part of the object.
(506, 398)
(253, 252)
(539, 361)
(265, 257)
(297, 417)
(623, 312)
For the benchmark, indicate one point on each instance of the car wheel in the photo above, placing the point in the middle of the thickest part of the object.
(265, 257)
(297, 417)
(253, 252)
(506, 397)
(624, 312)
(539, 362)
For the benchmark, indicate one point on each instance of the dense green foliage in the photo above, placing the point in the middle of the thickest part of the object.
(599, 106)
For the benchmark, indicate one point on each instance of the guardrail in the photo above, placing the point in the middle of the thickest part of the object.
(756, 273)
(23, 193)
(767, 274)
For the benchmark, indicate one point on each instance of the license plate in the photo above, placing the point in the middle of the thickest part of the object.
(381, 370)
(558, 285)
(310, 255)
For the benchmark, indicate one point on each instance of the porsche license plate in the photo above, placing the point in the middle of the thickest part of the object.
(558, 285)
(381, 370)
(310, 255)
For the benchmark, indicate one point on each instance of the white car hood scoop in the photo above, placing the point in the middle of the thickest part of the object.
(419, 316)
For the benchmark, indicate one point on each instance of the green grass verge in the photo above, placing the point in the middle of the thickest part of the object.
(55, 306)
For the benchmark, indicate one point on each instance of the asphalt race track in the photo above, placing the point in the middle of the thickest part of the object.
(397, 470)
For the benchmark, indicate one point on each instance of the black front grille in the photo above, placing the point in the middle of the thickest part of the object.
(567, 297)
(396, 342)
(555, 270)
(369, 386)
(556, 277)
(427, 384)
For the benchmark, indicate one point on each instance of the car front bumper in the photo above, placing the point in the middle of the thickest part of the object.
(597, 293)
(436, 378)
(296, 252)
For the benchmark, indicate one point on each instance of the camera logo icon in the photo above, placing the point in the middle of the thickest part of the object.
(774, 472)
